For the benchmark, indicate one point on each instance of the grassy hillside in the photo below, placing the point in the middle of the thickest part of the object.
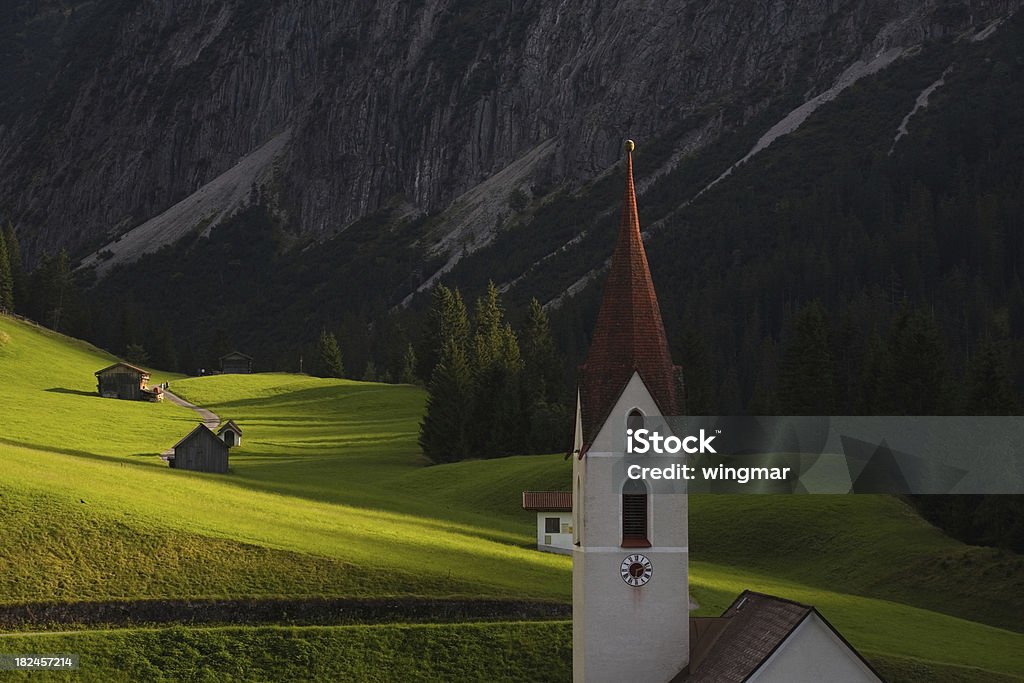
(328, 496)
(811, 549)
(501, 651)
(327, 425)
(875, 546)
(267, 528)
(450, 652)
(49, 400)
(340, 441)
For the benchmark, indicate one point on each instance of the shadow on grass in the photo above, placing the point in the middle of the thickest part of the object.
(72, 392)
(123, 461)
(325, 395)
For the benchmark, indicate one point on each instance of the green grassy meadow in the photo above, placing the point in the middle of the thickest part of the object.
(537, 651)
(328, 496)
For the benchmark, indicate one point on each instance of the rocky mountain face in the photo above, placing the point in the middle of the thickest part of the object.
(129, 107)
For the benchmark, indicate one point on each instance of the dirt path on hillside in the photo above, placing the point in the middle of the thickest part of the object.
(208, 417)
(36, 618)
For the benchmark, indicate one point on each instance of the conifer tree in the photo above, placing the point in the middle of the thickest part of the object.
(187, 362)
(873, 374)
(444, 431)
(329, 356)
(763, 396)
(408, 375)
(6, 279)
(61, 288)
(220, 346)
(510, 419)
(915, 381)
(443, 435)
(698, 385)
(989, 390)
(18, 284)
(545, 413)
(165, 354)
(729, 400)
(805, 373)
(487, 330)
(447, 319)
(496, 365)
(542, 371)
(136, 354)
(370, 373)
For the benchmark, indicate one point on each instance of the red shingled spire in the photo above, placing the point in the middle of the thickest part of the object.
(630, 336)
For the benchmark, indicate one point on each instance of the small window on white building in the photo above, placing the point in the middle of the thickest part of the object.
(635, 420)
(552, 525)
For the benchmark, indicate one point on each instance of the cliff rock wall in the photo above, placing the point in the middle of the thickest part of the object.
(149, 100)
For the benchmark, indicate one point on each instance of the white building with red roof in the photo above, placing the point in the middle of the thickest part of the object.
(554, 519)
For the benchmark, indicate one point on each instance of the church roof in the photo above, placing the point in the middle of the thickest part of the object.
(629, 336)
(733, 647)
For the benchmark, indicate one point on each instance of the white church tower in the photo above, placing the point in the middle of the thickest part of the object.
(630, 594)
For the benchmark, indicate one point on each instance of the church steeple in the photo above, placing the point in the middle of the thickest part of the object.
(630, 335)
(630, 572)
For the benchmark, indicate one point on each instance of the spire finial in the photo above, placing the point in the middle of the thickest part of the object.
(629, 146)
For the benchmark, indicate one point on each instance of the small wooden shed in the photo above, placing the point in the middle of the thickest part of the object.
(125, 381)
(230, 433)
(236, 363)
(201, 451)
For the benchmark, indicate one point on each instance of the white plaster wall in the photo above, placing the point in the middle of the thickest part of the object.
(559, 541)
(813, 653)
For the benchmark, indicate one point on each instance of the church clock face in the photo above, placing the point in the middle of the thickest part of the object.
(636, 570)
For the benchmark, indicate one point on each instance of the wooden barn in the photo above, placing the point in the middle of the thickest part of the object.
(230, 433)
(125, 381)
(201, 451)
(236, 363)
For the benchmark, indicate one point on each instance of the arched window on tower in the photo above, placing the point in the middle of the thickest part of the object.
(634, 515)
(635, 420)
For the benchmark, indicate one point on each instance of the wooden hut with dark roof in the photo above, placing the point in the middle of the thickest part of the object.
(236, 363)
(201, 451)
(125, 381)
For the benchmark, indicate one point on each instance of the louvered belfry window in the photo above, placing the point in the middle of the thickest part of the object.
(634, 515)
